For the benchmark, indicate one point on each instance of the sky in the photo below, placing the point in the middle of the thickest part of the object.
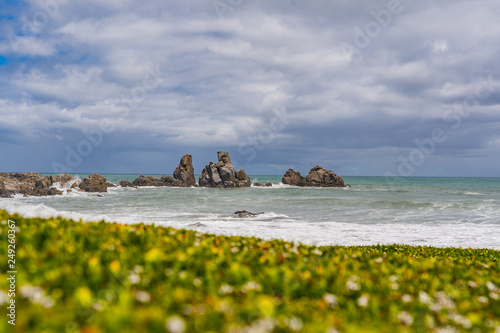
(375, 88)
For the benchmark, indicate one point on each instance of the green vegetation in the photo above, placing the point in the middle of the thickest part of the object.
(105, 277)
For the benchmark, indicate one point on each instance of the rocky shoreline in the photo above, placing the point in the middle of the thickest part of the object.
(33, 184)
(215, 175)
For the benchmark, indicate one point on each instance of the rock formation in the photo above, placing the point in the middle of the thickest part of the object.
(244, 214)
(185, 171)
(263, 185)
(317, 177)
(147, 181)
(172, 182)
(126, 183)
(30, 183)
(62, 179)
(94, 183)
(183, 176)
(222, 174)
(4, 192)
(293, 177)
(155, 181)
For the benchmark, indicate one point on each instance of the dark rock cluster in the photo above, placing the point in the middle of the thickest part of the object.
(183, 177)
(317, 177)
(217, 175)
(222, 174)
(33, 184)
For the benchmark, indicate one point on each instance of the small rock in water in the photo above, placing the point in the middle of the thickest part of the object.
(244, 213)
(197, 225)
(263, 185)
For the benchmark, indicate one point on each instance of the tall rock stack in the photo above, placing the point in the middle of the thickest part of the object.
(222, 174)
(185, 171)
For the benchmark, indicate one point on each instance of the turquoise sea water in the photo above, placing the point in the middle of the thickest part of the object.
(459, 212)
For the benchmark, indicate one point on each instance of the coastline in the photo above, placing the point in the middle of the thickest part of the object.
(94, 276)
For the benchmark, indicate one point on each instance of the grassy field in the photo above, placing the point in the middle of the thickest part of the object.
(105, 277)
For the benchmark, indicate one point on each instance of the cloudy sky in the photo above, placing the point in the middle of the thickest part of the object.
(404, 88)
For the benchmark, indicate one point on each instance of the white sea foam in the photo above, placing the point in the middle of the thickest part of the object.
(43, 211)
(365, 215)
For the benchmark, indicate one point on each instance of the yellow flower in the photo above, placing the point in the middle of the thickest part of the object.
(115, 266)
(83, 296)
(153, 255)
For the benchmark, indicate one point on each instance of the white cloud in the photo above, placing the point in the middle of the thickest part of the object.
(223, 77)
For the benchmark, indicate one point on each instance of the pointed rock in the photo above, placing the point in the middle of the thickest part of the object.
(185, 171)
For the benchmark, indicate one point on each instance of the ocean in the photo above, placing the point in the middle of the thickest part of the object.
(442, 212)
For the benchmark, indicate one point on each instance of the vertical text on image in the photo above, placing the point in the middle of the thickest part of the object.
(11, 273)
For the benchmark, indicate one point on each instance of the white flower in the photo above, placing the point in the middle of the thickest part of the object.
(4, 297)
(406, 298)
(197, 282)
(175, 324)
(363, 300)
(142, 296)
(491, 286)
(351, 283)
(424, 298)
(36, 295)
(225, 289)
(460, 320)
(295, 324)
(472, 284)
(445, 301)
(134, 278)
(330, 299)
(482, 299)
(405, 318)
(252, 285)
